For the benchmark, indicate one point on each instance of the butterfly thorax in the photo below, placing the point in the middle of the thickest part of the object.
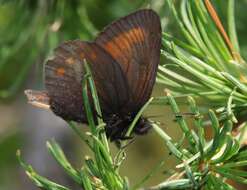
(117, 126)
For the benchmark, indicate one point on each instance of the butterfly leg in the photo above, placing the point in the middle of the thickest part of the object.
(142, 127)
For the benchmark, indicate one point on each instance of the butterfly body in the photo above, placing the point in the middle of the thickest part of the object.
(123, 60)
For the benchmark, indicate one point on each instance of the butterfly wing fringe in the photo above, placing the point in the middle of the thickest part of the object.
(38, 98)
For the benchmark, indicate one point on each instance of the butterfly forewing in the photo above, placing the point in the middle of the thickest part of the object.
(109, 78)
(134, 42)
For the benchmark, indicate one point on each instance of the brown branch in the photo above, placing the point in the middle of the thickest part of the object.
(221, 29)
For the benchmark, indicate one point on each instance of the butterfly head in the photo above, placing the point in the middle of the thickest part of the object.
(117, 126)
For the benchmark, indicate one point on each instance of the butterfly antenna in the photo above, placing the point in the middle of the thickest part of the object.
(187, 114)
(154, 116)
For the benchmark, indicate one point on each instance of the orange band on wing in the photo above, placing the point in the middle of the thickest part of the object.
(60, 71)
(135, 34)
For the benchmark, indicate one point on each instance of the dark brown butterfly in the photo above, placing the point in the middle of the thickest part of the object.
(123, 60)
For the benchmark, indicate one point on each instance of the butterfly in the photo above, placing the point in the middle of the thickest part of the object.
(123, 60)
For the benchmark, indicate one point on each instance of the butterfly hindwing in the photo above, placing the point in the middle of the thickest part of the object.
(65, 72)
(63, 78)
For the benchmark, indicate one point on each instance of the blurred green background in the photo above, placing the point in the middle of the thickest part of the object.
(29, 31)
